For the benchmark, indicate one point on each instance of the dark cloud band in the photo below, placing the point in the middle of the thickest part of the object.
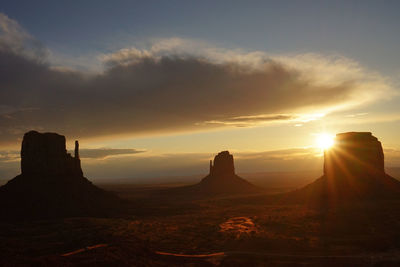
(145, 92)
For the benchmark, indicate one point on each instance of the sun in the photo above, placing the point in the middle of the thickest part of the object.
(325, 141)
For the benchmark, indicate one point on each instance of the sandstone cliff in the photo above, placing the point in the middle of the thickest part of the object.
(46, 154)
(354, 154)
(51, 183)
(353, 170)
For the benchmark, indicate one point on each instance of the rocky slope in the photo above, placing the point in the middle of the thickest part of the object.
(221, 179)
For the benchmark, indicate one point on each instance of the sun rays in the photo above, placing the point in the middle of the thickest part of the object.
(324, 141)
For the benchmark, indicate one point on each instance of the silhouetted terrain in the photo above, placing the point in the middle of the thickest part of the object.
(52, 183)
(221, 180)
(353, 171)
(232, 223)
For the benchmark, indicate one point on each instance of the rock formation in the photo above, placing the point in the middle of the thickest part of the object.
(353, 169)
(51, 183)
(355, 154)
(45, 154)
(223, 164)
(222, 179)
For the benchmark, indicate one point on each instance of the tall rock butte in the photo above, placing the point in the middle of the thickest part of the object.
(353, 169)
(222, 179)
(223, 165)
(355, 154)
(51, 183)
(46, 154)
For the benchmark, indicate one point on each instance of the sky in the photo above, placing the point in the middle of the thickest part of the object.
(157, 88)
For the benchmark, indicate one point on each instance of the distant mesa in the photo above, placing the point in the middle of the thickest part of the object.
(223, 165)
(222, 179)
(51, 183)
(353, 169)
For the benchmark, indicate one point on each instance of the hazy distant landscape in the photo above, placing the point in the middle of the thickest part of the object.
(279, 180)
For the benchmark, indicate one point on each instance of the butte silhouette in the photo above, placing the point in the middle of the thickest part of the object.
(353, 170)
(51, 183)
(221, 179)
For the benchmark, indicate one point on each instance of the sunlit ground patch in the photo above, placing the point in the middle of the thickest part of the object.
(238, 226)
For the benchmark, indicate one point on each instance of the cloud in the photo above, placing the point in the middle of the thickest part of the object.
(102, 153)
(84, 153)
(10, 159)
(13, 38)
(392, 157)
(9, 156)
(244, 121)
(172, 85)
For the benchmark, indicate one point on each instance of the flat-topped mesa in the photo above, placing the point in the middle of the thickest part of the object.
(223, 165)
(46, 154)
(52, 184)
(354, 154)
(353, 172)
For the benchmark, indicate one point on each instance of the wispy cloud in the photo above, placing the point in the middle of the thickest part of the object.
(102, 153)
(85, 153)
(16, 39)
(9, 156)
(245, 121)
(392, 157)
